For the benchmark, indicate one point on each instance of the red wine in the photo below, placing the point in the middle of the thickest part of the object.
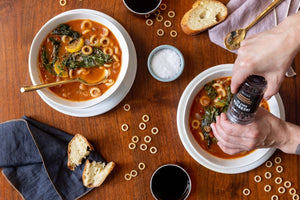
(170, 182)
(142, 6)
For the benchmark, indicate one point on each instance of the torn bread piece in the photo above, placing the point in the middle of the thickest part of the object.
(95, 173)
(203, 15)
(78, 149)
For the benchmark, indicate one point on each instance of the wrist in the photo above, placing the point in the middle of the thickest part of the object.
(292, 27)
(291, 138)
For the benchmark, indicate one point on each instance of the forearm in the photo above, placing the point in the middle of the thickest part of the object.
(291, 26)
(292, 137)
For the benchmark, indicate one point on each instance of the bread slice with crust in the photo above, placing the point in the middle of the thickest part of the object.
(78, 149)
(95, 173)
(203, 15)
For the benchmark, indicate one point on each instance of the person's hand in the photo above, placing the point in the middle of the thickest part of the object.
(268, 54)
(266, 131)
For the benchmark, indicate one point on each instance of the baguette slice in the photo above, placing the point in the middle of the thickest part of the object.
(95, 173)
(203, 15)
(78, 149)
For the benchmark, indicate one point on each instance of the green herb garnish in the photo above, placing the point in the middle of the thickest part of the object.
(97, 58)
(65, 29)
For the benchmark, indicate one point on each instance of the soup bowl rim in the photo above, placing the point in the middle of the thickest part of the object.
(51, 25)
(228, 166)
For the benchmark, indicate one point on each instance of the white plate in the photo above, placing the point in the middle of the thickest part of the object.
(53, 23)
(121, 92)
(227, 166)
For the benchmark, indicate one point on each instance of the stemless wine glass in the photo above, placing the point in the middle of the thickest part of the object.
(170, 182)
(142, 7)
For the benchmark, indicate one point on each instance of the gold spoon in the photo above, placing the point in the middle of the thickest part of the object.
(234, 38)
(45, 85)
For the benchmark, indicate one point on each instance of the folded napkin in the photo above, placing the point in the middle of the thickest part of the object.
(34, 158)
(242, 12)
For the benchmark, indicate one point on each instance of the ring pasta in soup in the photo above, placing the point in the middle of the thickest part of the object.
(211, 101)
(80, 49)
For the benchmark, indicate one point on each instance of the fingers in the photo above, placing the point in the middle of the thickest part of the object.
(274, 84)
(227, 141)
(240, 73)
(230, 151)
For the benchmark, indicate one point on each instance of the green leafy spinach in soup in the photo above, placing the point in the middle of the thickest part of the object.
(211, 101)
(80, 48)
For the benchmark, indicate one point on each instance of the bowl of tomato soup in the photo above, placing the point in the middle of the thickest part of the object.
(79, 45)
(207, 96)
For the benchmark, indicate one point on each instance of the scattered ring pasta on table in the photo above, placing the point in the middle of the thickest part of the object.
(279, 169)
(63, 2)
(163, 6)
(171, 14)
(269, 164)
(157, 12)
(295, 197)
(127, 176)
(154, 130)
(145, 118)
(267, 188)
(160, 32)
(277, 160)
(143, 147)
(268, 175)
(124, 127)
(278, 180)
(281, 190)
(153, 150)
(292, 191)
(287, 184)
(173, 33)
(147, 15)
(135, 139)
(147, 139)
(131, 145)
(159, 18)
(141, 166)
(257, 178)
(167, 23)
(126, 107)
(133, 173)
(274, 197)
(149, 22)
(246, 192)
(142, 126)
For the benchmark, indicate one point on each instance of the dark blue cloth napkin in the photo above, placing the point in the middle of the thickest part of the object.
(34, 158)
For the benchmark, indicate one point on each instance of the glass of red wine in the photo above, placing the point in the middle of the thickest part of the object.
(170, 182)
(142, 7)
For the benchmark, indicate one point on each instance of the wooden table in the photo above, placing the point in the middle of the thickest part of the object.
(21, 20)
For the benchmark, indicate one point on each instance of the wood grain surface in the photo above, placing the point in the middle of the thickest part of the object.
(21, 20)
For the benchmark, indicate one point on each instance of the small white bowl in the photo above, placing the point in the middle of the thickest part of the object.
(227, 166)
(155, 51)
(51, 25)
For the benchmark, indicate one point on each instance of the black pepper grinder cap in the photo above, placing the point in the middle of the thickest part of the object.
(255, 85)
